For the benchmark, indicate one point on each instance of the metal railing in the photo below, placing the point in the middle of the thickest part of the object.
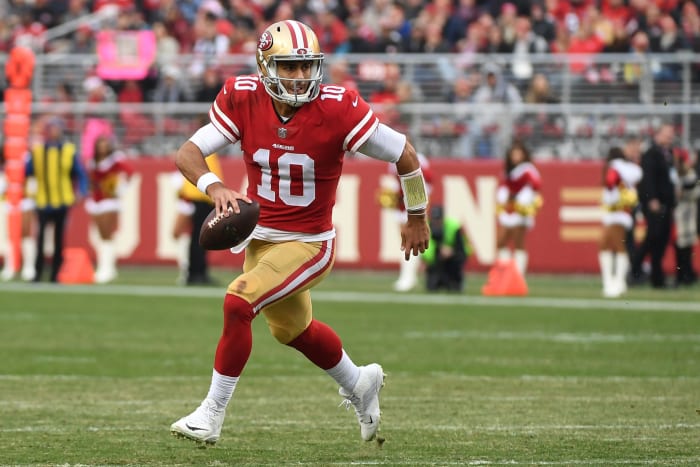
(600, 100)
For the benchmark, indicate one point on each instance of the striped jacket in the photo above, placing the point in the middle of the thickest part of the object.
(56, 168)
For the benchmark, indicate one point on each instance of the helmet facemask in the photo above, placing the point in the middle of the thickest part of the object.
(275, 86)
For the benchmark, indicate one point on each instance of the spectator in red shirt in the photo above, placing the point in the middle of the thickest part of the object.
(122, 4)
(584, 41)
(331, 31)
(616, 10)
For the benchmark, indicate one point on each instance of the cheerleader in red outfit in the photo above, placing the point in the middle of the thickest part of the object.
(620, 176)
(28, 243)
(518, 198)
(109, 173)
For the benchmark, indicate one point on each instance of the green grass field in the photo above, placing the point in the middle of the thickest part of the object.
(95, 375)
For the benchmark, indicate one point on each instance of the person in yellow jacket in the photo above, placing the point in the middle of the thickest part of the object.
(198, 265)
(56, 165)
(447, 253)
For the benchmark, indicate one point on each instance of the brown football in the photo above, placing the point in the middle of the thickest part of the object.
(222, 233)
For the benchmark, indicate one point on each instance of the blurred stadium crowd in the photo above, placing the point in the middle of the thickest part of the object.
(195, 40)
(386, 26)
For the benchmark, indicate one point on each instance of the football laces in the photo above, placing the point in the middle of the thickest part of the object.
(218, 218)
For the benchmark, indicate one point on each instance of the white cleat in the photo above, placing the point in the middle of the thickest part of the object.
(28, 274)
(203, 425)
(7, 274)
(105, 276)
(365, 399)
(404, 285)
(612, 291)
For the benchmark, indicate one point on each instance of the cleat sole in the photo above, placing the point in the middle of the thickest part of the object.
(201, 443)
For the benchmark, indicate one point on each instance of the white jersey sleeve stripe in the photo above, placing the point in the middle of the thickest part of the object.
(224, 124)
(356, 130)
(362, 139)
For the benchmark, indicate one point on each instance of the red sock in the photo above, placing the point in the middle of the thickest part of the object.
(320, 344)
(236, 340)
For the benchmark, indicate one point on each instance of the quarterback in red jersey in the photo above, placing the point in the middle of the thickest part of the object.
(294, 133)
(518, 198)
(109, 172)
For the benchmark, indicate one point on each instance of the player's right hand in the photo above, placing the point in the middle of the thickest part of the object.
(224, 197)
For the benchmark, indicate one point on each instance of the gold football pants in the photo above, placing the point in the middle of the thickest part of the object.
(276, 280)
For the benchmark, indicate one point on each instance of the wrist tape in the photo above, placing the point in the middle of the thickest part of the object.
(415, 196)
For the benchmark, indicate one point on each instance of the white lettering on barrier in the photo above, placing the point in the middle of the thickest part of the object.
(166, 245)
(346, 219)
(390, 231)
(4, 229)
(478, 216)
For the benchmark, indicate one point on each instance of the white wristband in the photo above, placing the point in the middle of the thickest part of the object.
(205, 180)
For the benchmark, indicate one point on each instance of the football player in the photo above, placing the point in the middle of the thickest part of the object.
(518, 199)
(294, 132)
(109, 172)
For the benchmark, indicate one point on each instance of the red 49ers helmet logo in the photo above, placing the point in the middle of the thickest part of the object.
(265, 41)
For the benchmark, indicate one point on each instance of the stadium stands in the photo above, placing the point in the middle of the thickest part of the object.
(612, 70)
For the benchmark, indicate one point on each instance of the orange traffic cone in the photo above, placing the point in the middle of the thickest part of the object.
(504, 279)
(76, 268)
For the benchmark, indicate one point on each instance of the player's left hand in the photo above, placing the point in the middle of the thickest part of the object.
(415, 235)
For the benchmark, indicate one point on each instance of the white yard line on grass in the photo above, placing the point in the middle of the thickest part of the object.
(395, 425)
(371, 297)
(561, 337)
(656, 461)
(281, 378)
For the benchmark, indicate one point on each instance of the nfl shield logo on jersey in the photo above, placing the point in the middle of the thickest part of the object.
(282, 132)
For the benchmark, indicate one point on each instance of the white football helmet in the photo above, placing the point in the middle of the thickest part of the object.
(284, 41)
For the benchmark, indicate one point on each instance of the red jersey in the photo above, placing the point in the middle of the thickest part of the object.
(105, 175)
(294, 166)
(522, 175)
